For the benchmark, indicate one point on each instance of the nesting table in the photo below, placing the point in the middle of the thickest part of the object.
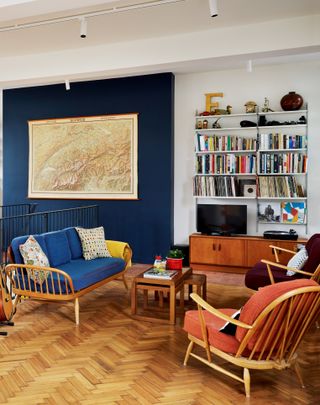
(163, 286)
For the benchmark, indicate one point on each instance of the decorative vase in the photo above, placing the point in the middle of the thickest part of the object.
(291, 101)
(174, 264)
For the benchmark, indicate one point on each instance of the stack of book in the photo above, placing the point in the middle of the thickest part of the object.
(159, 273)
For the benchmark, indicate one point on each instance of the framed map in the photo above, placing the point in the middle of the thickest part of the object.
(84, 157)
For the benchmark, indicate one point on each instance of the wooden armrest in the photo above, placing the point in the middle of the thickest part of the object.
(283, 267)
(216, 312)
(282, 249)
(62, 278)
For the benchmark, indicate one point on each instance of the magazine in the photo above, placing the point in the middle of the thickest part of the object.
(159, 273)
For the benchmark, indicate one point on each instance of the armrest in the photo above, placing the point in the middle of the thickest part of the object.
(21, 280)
(282, 249)
(203, 304)
(278, 249)
(121, 250)
(282, 267)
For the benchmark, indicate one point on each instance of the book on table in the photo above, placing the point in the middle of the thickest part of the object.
(159, 273)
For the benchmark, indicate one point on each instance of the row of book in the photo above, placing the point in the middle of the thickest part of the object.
(283, 163)
(225, 164)
(211, 186)
(282, 141)
(230, 186)
(214, 143)
(279, 186)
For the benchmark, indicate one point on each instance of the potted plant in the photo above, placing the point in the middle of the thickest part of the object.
(174, 259)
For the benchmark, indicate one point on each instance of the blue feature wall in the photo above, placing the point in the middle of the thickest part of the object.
(147, 223)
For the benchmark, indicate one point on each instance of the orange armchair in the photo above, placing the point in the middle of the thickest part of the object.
(271, 326)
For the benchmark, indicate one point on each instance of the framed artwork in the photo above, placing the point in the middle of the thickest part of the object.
(269, 212)
(84, 157)
(293, 212)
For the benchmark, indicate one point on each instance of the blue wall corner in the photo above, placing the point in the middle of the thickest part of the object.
(147, 224)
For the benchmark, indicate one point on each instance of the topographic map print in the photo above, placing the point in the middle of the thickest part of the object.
(91, 155)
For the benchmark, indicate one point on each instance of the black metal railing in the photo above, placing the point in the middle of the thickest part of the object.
(17, 209)
(46, 221)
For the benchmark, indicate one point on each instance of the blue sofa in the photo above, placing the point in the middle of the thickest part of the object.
(69, 275)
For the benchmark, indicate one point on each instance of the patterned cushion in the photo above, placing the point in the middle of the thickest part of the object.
(297, 261)
(33, 254)
(93, 243)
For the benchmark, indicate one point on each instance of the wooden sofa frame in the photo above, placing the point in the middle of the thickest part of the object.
(16, 274)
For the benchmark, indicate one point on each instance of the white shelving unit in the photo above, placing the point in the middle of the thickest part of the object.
(215, 160)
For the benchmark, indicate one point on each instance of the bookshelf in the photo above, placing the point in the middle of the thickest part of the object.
(266, 162)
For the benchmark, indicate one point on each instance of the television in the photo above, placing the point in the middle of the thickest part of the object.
(224, 220)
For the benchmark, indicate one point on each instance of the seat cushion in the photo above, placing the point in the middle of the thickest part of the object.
(16, 242)
(82, 272)
(221, 341)
(58, 248)
(258, 276)
(87, 272)
(261, 299)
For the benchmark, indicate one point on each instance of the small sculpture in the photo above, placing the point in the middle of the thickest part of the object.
(216, 124)
(251, 106)
(265, 107)
(229, 109)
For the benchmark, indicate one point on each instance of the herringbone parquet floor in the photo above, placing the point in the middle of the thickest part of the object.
(114, 359)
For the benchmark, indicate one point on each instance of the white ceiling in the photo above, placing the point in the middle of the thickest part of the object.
(158, 21)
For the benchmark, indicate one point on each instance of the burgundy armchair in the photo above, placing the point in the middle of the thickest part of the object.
(266, 272)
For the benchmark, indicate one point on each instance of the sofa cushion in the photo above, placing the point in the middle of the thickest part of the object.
(83, 273)
(87, 272)
(33, 254)
(74, 243)
(297, 261)
(93, 243)
(58, 248)
(16, 242)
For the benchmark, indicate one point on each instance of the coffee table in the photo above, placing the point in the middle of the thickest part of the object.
(172, 286)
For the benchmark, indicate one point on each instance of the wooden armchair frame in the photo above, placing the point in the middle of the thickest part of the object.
(278, 334)
(20, 276)
(313, 276)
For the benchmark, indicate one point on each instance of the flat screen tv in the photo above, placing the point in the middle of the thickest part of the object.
(225, 220)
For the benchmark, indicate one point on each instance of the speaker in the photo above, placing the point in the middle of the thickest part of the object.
(185, 251)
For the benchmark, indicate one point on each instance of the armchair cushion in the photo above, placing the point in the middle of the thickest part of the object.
(258, 276)
(226, 343)
(260, 300)
(313, 255)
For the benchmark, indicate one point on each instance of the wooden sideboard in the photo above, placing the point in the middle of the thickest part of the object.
(234, 254)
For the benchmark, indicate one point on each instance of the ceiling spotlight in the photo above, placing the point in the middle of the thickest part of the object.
(249, 66)
(83, 27)
(67, 83)
(213, 4)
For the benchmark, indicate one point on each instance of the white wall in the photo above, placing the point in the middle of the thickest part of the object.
(238, 87)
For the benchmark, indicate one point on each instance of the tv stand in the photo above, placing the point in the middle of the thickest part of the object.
(236, 254)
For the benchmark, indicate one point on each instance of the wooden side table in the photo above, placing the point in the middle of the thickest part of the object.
(173, 286)
(200, 281)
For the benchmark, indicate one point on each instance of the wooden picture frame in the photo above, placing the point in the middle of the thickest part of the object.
(84, 157)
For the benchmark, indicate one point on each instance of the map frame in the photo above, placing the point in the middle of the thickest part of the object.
(98, 136)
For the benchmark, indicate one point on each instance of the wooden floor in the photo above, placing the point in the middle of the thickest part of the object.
(114, 359)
